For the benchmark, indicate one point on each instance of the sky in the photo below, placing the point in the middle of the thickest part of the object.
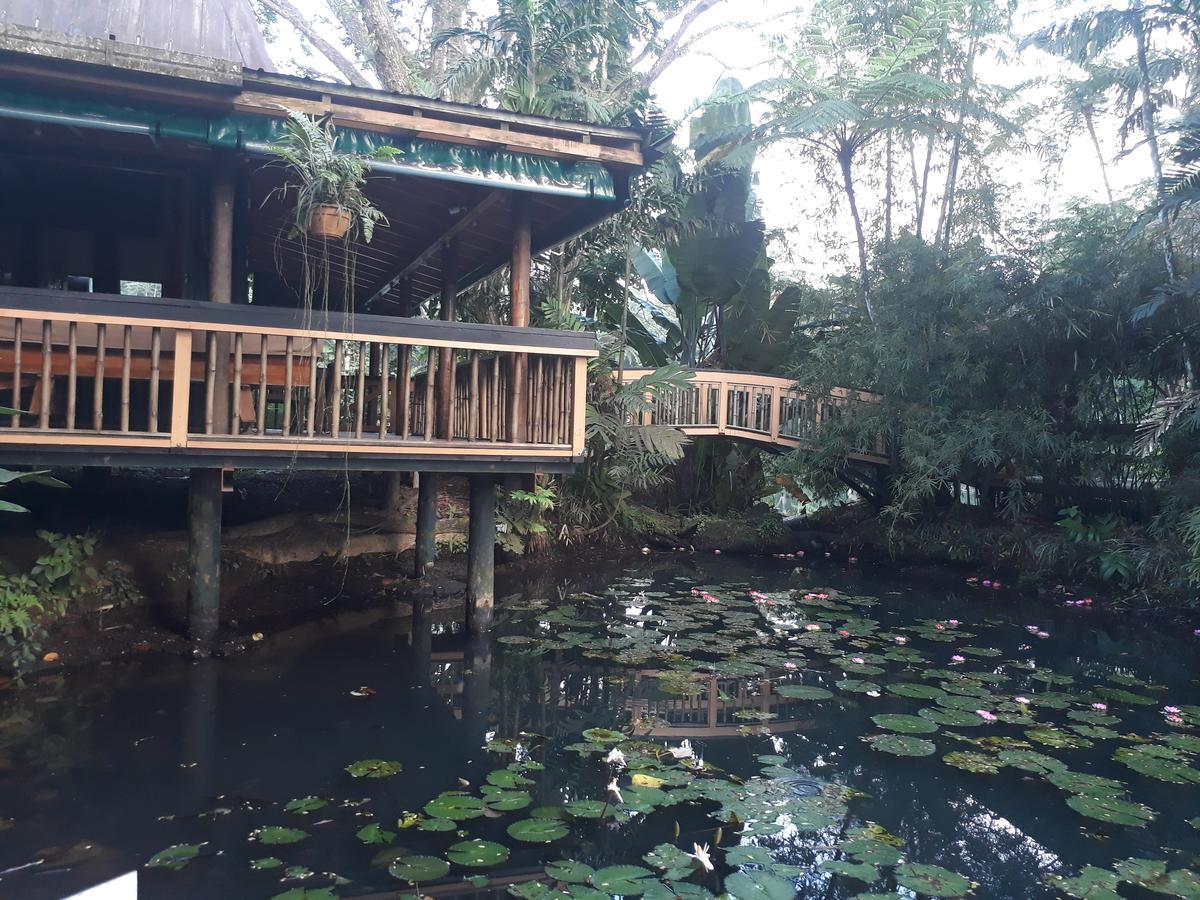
(814, 244)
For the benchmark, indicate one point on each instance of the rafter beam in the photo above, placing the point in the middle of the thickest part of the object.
(470, 218)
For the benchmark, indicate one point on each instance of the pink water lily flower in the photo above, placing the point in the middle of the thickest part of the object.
(958, 659)
(1100, 706)
(940, 627)
(954, 623)
(1024, 701)
(1171, 710)
(900, 639)
(1175, 719)
(857, 660)
(812, 626)
(1043, 634)
(985, 715)
(789, 665)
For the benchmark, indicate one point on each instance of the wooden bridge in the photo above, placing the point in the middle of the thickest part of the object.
(767, 410)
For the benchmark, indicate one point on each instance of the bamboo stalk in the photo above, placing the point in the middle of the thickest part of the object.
(312, 387)
(235, 407)
(360, 388)
(289, 350)
(47, 387)
(473, 399)
(210, 382)
(126, 366)
(335, 417)
(260, 418)
(430, 373)
(98, 381)
(404, 391)
(18, 329)
(155, 375)
(385, 380)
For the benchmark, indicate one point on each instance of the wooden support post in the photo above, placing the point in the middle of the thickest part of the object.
(426, 544)
(522, 246)
(446, 368)
(204, 553)
(220, 281)
(481, 554)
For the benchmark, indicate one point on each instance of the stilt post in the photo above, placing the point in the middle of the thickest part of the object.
(446, 370)
(204, 553)
(481, 554)
(426, 544)
(522, 245)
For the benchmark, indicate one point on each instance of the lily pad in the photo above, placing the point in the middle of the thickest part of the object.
(803, 692)
(277, 834)
(538, 831)
(915, 691)
(932, 881)
(476, 853)
(603, 736)
(374, 768)
(979, 763)
(507, 801)
(266, 862)
(1111, 809)
(454, 805)
(174, 857)
(1031, 761)
(901, 745)
(629, 881)
(375, 834)
(1091, 884)
(304, 805)
(863, 872)
(570, 871)
(418, 869)
(759, 885)
(905, 724)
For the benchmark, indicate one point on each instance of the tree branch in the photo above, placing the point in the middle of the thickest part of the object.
(290, 14)
(675, 46)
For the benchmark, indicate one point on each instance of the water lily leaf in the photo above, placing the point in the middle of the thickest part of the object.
(678, 890)
(628, 881)
(901, 745)
(956, 718)
(863, 872)
(297, 873)
(603, 736)
(266, 862)
(1111, 809)
(1085, 783)
(1151, 760)
(454, 805)
(1031, 761)
(803, 692)
(1059, 740)
(869, 850)
(932, 881)
(417, 869)
(476, 853)
(504, 778)
(905, 724)
(1090, 884)
(673, 863)
(978, 763)
(548, 812)
(588, 809)
(437, 825)
(374, 768)
(277, 834)
(375, 834)
(570, 871)
(305, 805)
(748, 855)
(759, 885)
(1126, 698)
(538, 831)
(858, 686)
(915, 691)
(301, 893)
(507, 801)
(1152, 875)
(175, 857)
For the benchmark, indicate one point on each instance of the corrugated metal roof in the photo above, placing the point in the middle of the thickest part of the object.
(219, 29)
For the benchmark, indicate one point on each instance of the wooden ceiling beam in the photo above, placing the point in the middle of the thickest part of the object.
(468, 219)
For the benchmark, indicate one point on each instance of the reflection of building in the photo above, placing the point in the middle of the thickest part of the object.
(721, 707)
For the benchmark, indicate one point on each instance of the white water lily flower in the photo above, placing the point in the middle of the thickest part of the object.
(683, 751)
(615, 791)
(701, 856)
(615, 757)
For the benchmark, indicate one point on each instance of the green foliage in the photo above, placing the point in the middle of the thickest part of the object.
(521, 517)
(28, 600)
(320, 175)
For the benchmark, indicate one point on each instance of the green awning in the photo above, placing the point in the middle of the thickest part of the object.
(255, 134)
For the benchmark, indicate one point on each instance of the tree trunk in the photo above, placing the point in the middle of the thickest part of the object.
(1139, 34)
(1091, 127)
(947, 216)
(287, 11)
(391, 58)
(444, 16)
(846, 159)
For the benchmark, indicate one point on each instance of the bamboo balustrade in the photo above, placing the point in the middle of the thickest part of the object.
(91, 371)
(765, 409)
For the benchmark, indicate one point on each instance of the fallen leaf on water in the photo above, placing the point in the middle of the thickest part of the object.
(257, 636)
(50, 657)
(363, 691)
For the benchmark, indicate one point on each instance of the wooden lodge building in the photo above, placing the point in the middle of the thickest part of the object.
(151, 285)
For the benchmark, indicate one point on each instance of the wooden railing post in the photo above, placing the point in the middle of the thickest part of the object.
(579, 407)
(722, 405)
(776, 399)
(181, 385)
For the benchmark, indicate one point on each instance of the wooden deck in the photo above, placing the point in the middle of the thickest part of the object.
(109, 380)
(763, 409)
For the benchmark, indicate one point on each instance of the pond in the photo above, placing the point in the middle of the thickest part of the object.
(823, 733)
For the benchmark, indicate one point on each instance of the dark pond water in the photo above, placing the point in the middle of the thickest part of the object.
(792, 779)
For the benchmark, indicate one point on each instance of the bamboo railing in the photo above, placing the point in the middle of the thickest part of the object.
(766, 409)
(100, 371)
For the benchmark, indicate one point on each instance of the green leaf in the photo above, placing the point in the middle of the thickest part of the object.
(759, 885)
(476, 853)
(374, 768)
(863, 872)
(905, 724)
(454, 805)
(901, 745)
(277, 834)
(570, 871)
(416, 869)
(175, 857)
(1090, 884)
(266, 862)
(375, 834)
(305, 805)
(538, 831)
(932, 881)
(628, 881)
(802, 692)
(1111, 809)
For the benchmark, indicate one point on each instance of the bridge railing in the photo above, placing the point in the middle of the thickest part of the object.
(765, 408)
